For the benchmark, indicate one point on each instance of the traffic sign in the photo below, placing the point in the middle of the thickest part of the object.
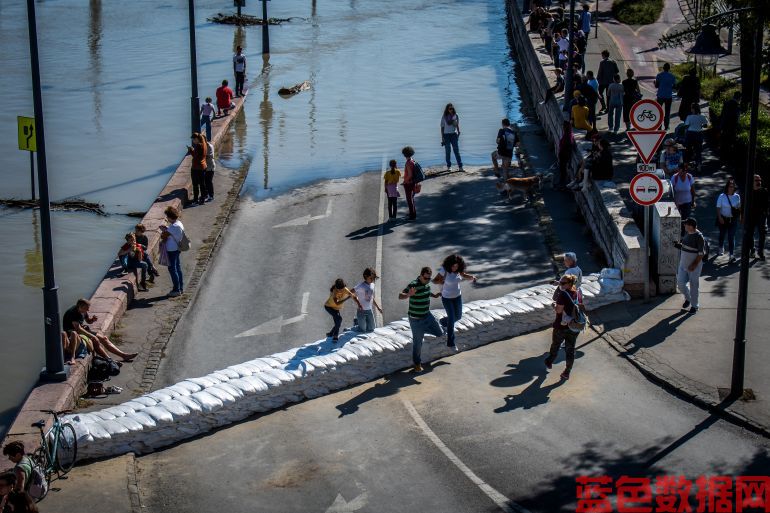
(646, 168)
(27, 139)
(646, 189)
(646, 143)
(646, 115)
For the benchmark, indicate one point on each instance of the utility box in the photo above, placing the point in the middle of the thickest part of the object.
(666, 230)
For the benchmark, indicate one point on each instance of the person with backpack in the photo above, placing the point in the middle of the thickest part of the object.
(13, 501)
(450, 136)
(211, 166)
(567, 309)
(411, 180)
(22, 465)
(507, 142)
(692, 253)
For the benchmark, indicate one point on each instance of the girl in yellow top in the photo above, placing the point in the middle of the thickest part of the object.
(392, 176)
(580, 113)
(338, 294)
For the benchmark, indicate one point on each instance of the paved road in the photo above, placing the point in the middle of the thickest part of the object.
(283, 253)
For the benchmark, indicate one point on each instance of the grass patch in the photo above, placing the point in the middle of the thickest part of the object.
(637, 12)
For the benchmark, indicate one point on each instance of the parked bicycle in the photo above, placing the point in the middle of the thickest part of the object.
(58, 447)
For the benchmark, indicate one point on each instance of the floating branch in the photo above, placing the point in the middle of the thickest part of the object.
(245, 19)
(75, 205)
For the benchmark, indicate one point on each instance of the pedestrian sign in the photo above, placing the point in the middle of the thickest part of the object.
(646, 143)
(646, 115)
(27, 139)
(646, 189)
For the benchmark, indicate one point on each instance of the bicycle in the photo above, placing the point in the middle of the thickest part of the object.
(646, 114)
(58, 447)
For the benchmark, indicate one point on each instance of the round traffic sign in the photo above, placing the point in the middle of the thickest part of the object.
(646, 189)
(646, 115)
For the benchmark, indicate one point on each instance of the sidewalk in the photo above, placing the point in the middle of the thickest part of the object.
(692, 354)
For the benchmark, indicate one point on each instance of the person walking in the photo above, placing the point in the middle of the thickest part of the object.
(172, 235)
(615, 103)
(757, 217)
(364, 291)
(585, 20)
(693, 138)
(421, 321)
(507, 141)
(409, 183)
(449, 276)
(208, 111)
(570, 262)
(198, 167)
(671, 158)
(631, 95)
(683, 188)
(391, 178)
(450, 135)
(211, 166)
(565, 307)
(664, 83)
(689, 92)
(239, 68)
(692, 250)
(728, 125)
(338, 294)
(728, 216)
(607, 69)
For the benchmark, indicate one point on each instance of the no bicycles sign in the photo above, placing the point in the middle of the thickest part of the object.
(646, 115)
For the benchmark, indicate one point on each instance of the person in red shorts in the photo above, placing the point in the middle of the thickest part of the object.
(224, 99)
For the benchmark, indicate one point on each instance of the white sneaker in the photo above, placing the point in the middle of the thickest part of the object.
(720, 252)
(732, 258)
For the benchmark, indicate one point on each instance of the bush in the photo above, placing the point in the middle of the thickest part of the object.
(637, 12)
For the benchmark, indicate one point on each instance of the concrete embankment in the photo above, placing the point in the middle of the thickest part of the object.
(601, 205)
(197, 405)
(112, 298)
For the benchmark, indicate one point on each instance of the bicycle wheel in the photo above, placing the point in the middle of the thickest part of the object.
(66, 448)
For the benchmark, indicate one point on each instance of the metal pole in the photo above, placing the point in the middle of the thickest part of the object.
(646, 268)
(194, 100)
(239, 2)
(596, 32)
(32, 172)
(569, 83)
(739, 351)
(265, 29)
(54, 358)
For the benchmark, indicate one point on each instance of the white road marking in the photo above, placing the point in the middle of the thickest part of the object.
(275, 325)
(305, 220)
(378, 254)
(340, 505)
(498, 498)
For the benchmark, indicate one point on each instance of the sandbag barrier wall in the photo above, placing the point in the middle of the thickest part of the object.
(109, 303)
(602, 207)
(197, 405)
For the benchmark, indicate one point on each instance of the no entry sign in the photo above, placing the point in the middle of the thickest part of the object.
(646, 189)
(646, 115)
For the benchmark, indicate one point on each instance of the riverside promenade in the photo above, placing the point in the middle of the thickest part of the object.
(116, 294)
(688, 354)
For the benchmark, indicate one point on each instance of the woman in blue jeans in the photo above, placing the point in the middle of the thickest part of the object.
(171, 236)
(450, 135)
(449, 276)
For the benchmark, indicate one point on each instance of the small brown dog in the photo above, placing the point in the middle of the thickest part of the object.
(524, 185)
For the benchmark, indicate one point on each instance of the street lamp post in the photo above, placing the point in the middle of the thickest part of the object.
(194, 100)
(265, 29)
(569, 82)
(54, 358)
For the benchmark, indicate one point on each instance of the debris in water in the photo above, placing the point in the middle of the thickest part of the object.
(73, 205)
(291, 91)
(245, 19)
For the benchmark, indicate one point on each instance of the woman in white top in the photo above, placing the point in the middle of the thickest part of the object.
(450, 134)
(728, 216)
(171, 236)
(683, 187)
(365, 293)
(449, 276)
(693, 138)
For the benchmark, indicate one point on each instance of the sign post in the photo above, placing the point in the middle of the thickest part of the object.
(28, 142)
(646, 189)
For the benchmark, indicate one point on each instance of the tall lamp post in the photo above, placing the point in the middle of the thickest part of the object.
(569, 82)
(265, 29)
(739, 348)
(54, 359)
(194, 100)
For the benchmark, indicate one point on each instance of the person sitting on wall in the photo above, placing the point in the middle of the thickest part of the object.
(76, 320)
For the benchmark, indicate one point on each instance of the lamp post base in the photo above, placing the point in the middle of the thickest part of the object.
(54, 377)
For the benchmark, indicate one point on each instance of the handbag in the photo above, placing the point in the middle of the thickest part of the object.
(183, 243)
(735, 211)
(163, 254)
(579, 322)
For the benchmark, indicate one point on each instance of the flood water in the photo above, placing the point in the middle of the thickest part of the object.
(116, 102)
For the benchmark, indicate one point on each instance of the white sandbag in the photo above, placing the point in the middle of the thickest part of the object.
(258, 364)
(146, 401)
(204, 381)
(117, 411)
(189, 386)
(159, 396)
(269, 379)
(244, 386)
(208, 402)
(259, 385)
(175, 408)
(610, 286)
(129, 423)
(159, 414)
(177, 391)
(611, 274)
(234, 391)
(223, 395)
(359, 350)
(347, 354)
(191, 404)
(272, 362)
(242, 370)
(103, 415)
(142, 418)
(280, 374)
(222, 377)
(113, 428)
(96, 430)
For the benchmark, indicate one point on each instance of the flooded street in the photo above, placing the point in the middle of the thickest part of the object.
(116, 97)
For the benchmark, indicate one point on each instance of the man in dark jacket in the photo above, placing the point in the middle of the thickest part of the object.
(728, 124)
(757, 219)
(607, 70)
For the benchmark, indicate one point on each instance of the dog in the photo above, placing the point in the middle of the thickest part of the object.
(525, 185)
(286, 92)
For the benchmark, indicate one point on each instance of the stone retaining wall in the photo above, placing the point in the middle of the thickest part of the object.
(197, 405)
(109, 302)
(602, 207)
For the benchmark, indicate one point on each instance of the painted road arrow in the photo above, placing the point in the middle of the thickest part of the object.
(305, 220)
(275, 325)
(340, 505)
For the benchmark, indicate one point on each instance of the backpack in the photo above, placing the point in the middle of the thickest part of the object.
(705, 246)
(38, 484)
(577, 323)
(417, 175)
(101, 369)
(509, 139)
(210, 164)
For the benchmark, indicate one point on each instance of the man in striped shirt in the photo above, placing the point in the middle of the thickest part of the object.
(420, 319)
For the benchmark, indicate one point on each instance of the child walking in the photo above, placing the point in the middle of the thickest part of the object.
(392, 176)
(365, 293)
(338, 294)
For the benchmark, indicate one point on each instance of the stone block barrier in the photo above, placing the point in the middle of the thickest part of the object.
(198, 405)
